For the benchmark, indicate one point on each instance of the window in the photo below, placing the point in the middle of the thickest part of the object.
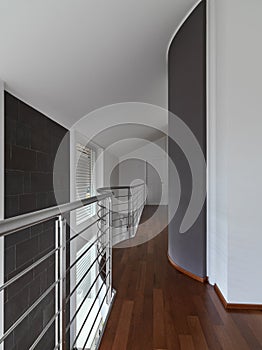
(81, 267)
(85, 180)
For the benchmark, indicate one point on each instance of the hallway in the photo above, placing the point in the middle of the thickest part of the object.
(158, 308)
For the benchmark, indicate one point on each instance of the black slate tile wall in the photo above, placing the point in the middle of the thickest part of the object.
(31, 143)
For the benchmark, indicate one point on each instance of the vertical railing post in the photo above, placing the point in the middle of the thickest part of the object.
(62, 283)
(103, 224)
(57, 278)
(134, 206)
(2, 188)
(145, 193)
(109, 252)
(128, 211)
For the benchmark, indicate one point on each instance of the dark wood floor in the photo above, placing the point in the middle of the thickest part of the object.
(158, 308)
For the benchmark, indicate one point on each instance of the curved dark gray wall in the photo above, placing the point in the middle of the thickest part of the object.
(187, 100)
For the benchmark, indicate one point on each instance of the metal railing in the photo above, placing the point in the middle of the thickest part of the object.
(127, 206)
(80, 288)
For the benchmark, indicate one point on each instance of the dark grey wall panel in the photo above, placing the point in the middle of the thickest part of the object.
(31, 142)
(187, 100)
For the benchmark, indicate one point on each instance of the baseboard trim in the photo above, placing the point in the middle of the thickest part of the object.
(221, 296)
(233, 306)
(185, 272)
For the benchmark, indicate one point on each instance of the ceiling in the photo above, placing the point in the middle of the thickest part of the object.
(122, 127)
(123, 139)
(66, 58)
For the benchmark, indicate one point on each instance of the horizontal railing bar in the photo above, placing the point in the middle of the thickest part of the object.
(121, 218)
(98, 312)
(82, 231)
(121, 203)
(135, 195)
(124, 225)
(29, 268)
(101, 251)
(119, 187)
(49, 324)
(101, 208)
(89, 247)
(25, 314)
(24, 221)
(88, 314)
(86, 228)
(82, 303)
(100, 211)
(83, 277)
(119, 234)
(121, 211)
(105, 321)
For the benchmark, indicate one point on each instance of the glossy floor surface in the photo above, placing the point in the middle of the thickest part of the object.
(158, 308)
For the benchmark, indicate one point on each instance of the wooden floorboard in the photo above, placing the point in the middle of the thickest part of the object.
(158, 308)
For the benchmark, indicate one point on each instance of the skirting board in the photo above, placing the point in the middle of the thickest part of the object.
(232, 306)
(185, 272)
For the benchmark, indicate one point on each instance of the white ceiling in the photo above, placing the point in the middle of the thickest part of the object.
(122, 139)
(123, 127)
(67, 58)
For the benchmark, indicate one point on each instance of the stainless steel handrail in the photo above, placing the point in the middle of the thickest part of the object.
(102, 189)
(24, 221)
(103, 259)
(9, 226)
(127, 206)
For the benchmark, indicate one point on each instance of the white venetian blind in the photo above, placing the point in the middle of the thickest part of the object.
(85, 180)
(81, 267)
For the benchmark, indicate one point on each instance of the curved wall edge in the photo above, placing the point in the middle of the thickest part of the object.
(181, 24)
(187, 100)
(187, 273)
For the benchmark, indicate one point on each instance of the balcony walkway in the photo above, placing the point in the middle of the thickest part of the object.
(158, 308)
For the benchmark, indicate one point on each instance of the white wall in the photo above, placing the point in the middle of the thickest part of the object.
(155, 154)
(132, 171)
(237, 119)
(111, 178)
